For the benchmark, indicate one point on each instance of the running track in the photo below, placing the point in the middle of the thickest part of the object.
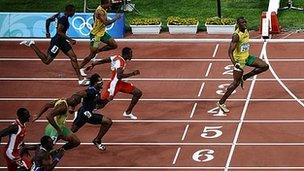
(179, 126)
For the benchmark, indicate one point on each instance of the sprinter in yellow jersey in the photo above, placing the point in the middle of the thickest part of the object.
(240, 57)
(57, 128)
(99, 34)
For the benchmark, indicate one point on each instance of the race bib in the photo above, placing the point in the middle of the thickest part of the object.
(54, 49)
(245, 47)
(88, 114)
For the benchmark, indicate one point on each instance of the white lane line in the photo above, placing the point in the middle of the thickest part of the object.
(143, 79)
(152, 100)
(186, 129)
(165, 40)
(187, 126)
(215, 50)
(177, 168)
(268, 168)
(201, 89)
(193, 110)
(280, 81)
(185, 132)
(176, 155)
(238, 130)
(181, 121)
(177, 144)
(134, 168)
(183, 59)
(208, 70)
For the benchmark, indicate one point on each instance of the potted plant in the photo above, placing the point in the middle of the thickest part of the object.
(179, 25)
(145, 25)
(216, 25)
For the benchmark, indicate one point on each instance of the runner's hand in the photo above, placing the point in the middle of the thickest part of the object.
(238, 66)
(136, 72)
(72, 110)
(47, 35)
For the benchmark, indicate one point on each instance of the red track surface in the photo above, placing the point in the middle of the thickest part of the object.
(172, 113)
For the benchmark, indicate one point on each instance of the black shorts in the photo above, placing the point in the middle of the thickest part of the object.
(84, 117)
(57, 44)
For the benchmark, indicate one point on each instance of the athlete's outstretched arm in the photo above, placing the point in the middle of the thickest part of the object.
(102, 61)
(44, 109)
(233, 43)
(103, 18)
(121, 75)
(48, 22)
(13, 129)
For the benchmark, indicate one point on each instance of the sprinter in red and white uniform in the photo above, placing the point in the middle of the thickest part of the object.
(118, 65)
(16, 133)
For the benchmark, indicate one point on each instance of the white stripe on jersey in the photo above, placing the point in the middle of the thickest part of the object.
(113, 85)
(12, 141)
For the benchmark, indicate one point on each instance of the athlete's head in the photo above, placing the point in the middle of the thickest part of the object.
(23, 115)
(74, 100)
(106, 4)
(70, 10)
(241, 23)
(127, 53)
(47, 143)
(96, 81)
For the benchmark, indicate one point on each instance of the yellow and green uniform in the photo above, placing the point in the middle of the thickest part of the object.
(98, 33)
(241, 53)
(61, 122)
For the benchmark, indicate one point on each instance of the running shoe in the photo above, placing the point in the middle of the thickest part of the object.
(129, 116)
(99, 145)
(222, 107)
(27, 42)
(84, 82)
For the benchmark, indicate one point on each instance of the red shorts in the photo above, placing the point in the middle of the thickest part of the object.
(121, 86)
(12, 164)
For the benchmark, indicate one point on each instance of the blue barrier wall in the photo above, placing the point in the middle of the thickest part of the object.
(33, 25)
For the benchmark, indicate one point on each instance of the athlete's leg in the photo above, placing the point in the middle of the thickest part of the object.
(237, 75)
(72, 142)
(71, 54)
(260, 66)
(136, 96)
(110, 44)
(87, 59)
(105, 124)
(46, 59)
(79, 121)
(94, 44)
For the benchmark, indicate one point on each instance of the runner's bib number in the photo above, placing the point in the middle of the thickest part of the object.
(245, 47)
(54, 49)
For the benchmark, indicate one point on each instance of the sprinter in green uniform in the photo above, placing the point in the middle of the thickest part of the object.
(57, 128)
(240, 57)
